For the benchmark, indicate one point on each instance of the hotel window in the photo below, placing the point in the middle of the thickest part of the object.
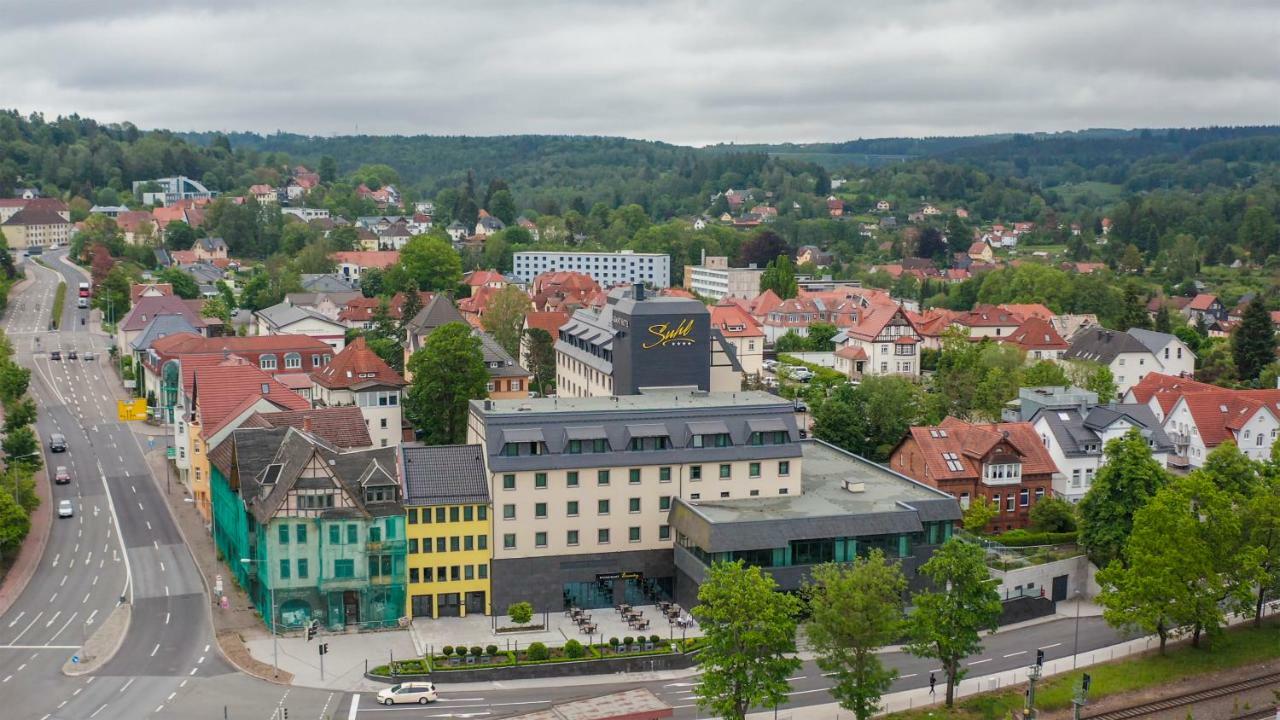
(726, 471)
(571, 508)
(664, 474)
(467, 513)
(633, 505)
(540, 510)
(455, 544)
(440, 544)
(540, 539)
(509, 541)
(482, 512)
(509, 481)
(413, 546)
(571, 478)
(695, 472)
(602, 536)
(633, 534)
(571, 537)
(753, 470)
(664, 502)
(482, 542)
(540, 480)
(335, 538)
(344, 568)
(575, 447)
(468, 572)
(453, 514)
(602, 507)
(284, 534)
(508, 512)
(633, 476)
(413, 516)
(664, 532)
(602, 477)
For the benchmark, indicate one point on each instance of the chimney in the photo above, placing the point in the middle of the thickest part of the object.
(306, 423)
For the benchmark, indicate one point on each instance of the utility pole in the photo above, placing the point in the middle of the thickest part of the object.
(1081, 697)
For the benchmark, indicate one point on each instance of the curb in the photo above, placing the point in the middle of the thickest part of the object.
(32, 550)
(124, 610)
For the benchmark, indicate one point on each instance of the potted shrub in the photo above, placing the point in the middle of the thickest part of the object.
(613, 643)
(537, 652)
(521, 613)
(447, 650)
(655, 639)
(476, 651)
(573, 649)
(490, 650)
(628, 641)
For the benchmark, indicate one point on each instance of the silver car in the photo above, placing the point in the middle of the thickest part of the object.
(65, 509)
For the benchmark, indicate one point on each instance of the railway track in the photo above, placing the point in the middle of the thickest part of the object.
(1191, 698)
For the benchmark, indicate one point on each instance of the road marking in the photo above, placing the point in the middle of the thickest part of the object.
(148, 524)
(170, 698)
(166, 618)
(15, 620)
(355, 705)
(979, 662)
(156, 543)
(95, 578)
(161, 567)
(206, 648)
(64, 626)
(22, 667)
(77, 692)
(159, 708)
(140, 507)
(64, 581)
(56, 558)
(798, 677)
(95, 712)
(39, 647)
(806, 692)
(131, 487)
(52, 598)
(155, 650)
(1015, 654)
(64, 702)
(904, 677)
(193, 670)
(92, 615)
(126, 685)
(76, 549)
(182, 684)
(201, 660)
(7, 678)
(86, 598)
(1046, 647)
(53, 619)
(166, 591)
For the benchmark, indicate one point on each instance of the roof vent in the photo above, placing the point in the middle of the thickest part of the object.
(855, 486)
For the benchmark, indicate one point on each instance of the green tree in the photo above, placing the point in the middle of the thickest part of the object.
(432, 263)
(411, 307)
(1094, 377)
(520, 613)
(1217, 362)
(15, 523)
(541, 359)
(979, 514)
(1127, 480)
(314, 259)
(780, 277)
(1231, 470)
(819, 337)
(22, 447)
(1163, 322)
(504, 317)
(1053, 515)
(1191, 583)
(14, 381)
(1044, 373)
(855, 610)
(448, 372)
(948, 620)
(1258, 232)
(870, 419)
(750, 633)
(372, 282)
(344, 238)
(184, 286)
(1253, 344)
(1261, 520)
(19, 413)
(328, 169)
(216, 307)
(503, 207)
(179, 236)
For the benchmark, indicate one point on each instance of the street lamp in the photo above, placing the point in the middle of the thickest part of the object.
(1075, 644)
(275, 650)
(13, 471)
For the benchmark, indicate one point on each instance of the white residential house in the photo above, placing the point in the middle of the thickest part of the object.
(1076, 436)
(1130, 355)
(1201, 421)
(286, 319)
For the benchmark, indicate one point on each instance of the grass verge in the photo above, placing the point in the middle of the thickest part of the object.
(1236, 648)
(58, 300)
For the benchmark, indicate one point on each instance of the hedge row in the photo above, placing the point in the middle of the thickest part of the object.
(1027, 538)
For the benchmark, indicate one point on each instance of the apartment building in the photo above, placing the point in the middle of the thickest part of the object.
(446, 504)
(714, 279)
(606, 268)
(582, 487)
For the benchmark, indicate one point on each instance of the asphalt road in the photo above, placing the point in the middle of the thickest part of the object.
(122, 541)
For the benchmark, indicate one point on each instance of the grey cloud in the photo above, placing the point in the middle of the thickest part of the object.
(691, 72)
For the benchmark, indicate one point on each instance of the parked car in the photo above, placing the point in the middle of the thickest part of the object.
(71, 355)
(410, 692)
(57, 443)
(801, 407)
(62, 476)
(88, 355)
(769, 381)
(802, 374)
(65, 509)
(770, 365)
(55, 355)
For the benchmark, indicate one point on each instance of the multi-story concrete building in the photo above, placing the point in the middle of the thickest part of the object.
(582, 487)
(171, 190)
(714, 279)
(637, 341)
(446, 504)
(606, 268)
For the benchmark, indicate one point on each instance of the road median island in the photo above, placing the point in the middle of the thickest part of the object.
(103, 644)
(59, 300)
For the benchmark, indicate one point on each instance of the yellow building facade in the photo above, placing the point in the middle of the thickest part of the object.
(448, 524)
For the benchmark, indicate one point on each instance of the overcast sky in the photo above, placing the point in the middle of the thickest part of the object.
(684, 72)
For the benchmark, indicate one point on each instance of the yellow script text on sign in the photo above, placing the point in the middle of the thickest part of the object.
(664, 334)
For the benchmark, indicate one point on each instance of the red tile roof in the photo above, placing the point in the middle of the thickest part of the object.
(1218, 414)
(1154, 383)
(851, 352)
(548, 320)
(148, 307)
(355, 366)
(971, 442)
(988, 316)
(1037, 334)
(232, 386)
(485, 277)
(1203, 301)
(363, 309)
(732, 321)
(381, 259)
(342, 426)
(1029, 310)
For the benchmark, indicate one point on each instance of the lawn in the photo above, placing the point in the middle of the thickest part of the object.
(1242, 646)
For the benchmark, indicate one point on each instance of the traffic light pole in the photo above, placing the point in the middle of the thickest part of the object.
(321, 648)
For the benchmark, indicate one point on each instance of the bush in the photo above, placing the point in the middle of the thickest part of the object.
(537, 651)
(628, 640)
(613, 642)
(521, 612)
(447, 650)
(476, 651)
(1027, 538)
(574, 649)
(1053, 515)
(655, 639)
(490, 649)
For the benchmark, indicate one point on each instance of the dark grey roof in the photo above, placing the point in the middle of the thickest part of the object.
(325, 283)
(162, 257)
(160, 326)
(1074, 430)
(497, 360)
(444, 475)
(1101, 345)
(439, 311)
(885, 502)
(1152, 340)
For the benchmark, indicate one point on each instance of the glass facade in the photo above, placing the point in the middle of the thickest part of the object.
(822, 550)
